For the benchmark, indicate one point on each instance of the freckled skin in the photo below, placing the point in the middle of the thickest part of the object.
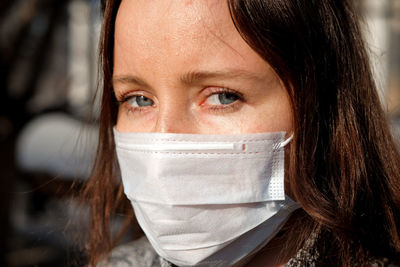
(161, 40)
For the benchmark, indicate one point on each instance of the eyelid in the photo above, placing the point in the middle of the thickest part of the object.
(213, 90)
(129, 109)
(217, 89)
(125, 96)
(222, 108)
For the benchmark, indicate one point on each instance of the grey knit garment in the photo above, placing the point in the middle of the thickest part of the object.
(140, 253)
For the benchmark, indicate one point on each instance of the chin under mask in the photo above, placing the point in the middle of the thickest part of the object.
(205, 200)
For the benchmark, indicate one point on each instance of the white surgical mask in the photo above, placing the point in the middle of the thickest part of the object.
(205, 200)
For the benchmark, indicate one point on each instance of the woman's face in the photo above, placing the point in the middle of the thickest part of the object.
(180, 66)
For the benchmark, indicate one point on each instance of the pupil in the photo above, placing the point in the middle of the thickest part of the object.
(227, 98)
(143, 101)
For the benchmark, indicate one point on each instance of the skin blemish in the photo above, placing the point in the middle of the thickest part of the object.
(188, 3)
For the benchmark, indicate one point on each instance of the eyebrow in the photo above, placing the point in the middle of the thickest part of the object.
(129, 79)
(195, 77)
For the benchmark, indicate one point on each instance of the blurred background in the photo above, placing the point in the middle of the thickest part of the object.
(48, 134)
(48, 131)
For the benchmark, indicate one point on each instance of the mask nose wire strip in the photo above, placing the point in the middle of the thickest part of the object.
(183, 147)
(287, 141)
(198, 147)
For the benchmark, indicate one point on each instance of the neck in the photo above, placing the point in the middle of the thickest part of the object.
(279, 250)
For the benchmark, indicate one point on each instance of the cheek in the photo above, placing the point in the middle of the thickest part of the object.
(128, 122)
(275, 118)
(274, 114)
(270, 116)
(122, 124)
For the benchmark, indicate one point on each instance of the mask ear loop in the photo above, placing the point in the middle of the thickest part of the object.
(287, 141)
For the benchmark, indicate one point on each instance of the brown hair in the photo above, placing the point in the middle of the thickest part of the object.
(344, 165)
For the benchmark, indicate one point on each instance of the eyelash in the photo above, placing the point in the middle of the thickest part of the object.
(224, 108)
(213, 108)
(124, 101)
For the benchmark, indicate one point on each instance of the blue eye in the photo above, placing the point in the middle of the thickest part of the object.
(222, 99)
(140, 101)
(227, 98)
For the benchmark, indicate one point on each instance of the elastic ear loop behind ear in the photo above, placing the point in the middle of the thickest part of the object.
(287, 141)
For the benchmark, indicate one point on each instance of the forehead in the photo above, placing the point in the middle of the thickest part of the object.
(177, 35)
